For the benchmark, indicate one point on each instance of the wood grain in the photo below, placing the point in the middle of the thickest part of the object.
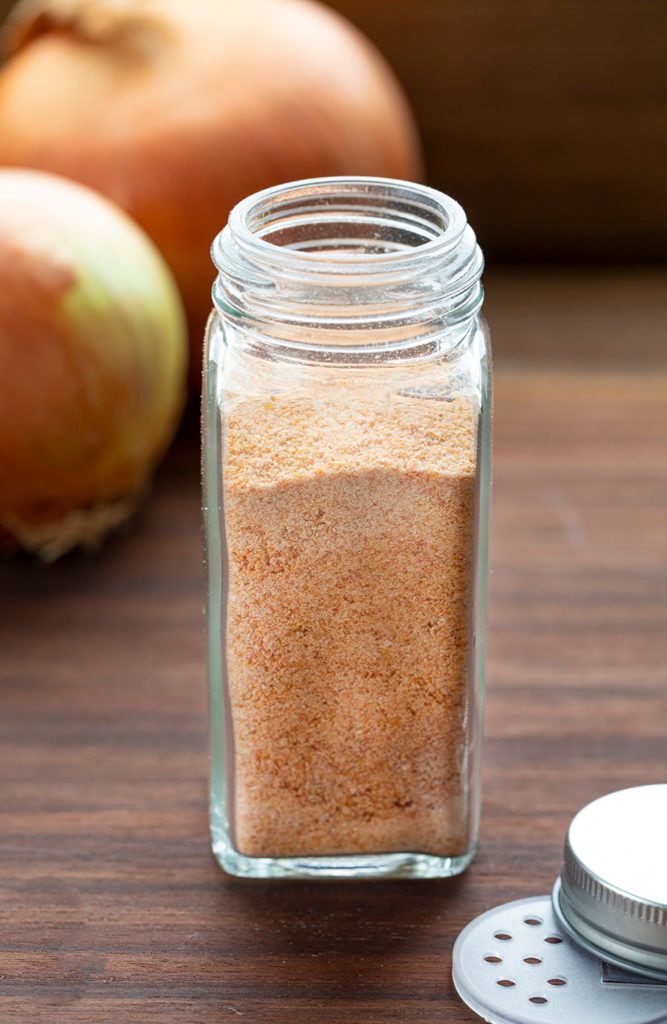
(111, 906)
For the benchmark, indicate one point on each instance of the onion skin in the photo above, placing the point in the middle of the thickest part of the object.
(177, 109)
(93, 357)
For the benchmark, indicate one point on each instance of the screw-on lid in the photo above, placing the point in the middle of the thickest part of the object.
(611, 896)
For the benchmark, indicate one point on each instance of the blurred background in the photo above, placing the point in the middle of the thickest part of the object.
(546, 119)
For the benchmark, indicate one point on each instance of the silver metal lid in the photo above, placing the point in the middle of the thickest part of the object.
(611, 897)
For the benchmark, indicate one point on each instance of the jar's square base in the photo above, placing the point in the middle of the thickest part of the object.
(360, 866)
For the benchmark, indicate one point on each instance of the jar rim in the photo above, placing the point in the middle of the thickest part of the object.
(387, 258)
(436, 221)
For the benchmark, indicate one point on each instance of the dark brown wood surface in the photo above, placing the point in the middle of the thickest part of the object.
(111, 906)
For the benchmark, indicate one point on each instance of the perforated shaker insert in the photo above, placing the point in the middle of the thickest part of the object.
(515, 965)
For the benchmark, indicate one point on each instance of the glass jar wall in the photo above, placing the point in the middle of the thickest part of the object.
(346, 478)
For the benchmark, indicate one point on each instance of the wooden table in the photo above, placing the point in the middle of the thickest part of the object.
(112, 907)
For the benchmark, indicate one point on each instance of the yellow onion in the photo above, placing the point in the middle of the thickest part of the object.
(93, 356)
(177, 109)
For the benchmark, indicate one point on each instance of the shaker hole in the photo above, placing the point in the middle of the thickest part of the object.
(538, 1000)
(505, 983)
(532, 920)
(557, 981)
(532, 960)
(555, 940)
(503, 936)
(493, 959)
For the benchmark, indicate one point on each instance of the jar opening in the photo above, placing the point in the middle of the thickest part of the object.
(366, 223)
(344, 257)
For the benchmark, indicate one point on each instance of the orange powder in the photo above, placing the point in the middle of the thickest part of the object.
(349, 536)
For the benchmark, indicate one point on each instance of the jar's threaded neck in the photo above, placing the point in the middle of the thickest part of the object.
(355, 253)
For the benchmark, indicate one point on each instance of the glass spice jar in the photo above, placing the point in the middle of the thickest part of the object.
(346, 473)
